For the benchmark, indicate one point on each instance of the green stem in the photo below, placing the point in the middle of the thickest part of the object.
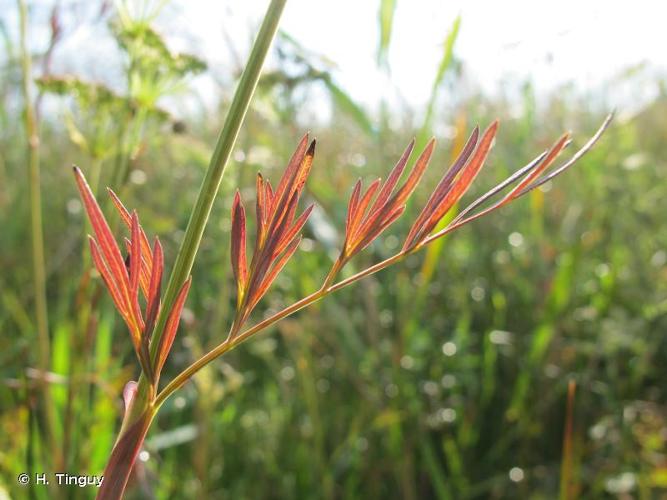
(39, 268)
(210, 185)
(232, 342)
(327, 287)
(144, 400)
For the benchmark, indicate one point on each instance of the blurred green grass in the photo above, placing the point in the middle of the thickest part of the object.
(433, 379)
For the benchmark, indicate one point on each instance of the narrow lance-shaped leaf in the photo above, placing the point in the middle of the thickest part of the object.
(261, 290)
(451, 188)
(135, 270)
(541, 163)
(294, 230)
(126, 217)
(277, 231)
(281, 223)
(107, 243)
(144, 274)
(356, 218)
(467, 176)
(291, 183)
(415, 176)
(283, 191)
(260, 208)
(238, 253)
(442, 187)
(380, 226)
(113, 289)
(392, 179)
(496, 189)
(352, 205)
(154, 290)
(527, 174)
(263, 258)
(388, 209)
(546, 163)
(361, 227)
(171, 326)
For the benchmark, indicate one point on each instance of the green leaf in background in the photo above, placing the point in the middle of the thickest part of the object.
(345, 102)
(317, 68)
(443, 67)
(386, 21)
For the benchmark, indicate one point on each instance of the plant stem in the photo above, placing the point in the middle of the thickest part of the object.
(566, 488)
(39, 269)
(210, 185)
(326, 288)
(143, 407)
(232, 342)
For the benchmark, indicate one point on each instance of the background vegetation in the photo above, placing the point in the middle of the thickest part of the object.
(444, 377)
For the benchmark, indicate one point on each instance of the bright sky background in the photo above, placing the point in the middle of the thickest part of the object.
(551, 43)
(590, 43)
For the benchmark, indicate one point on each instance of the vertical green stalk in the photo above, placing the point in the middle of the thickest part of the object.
(141, 411)
(39, 271)
(567, 491)
(223, 149)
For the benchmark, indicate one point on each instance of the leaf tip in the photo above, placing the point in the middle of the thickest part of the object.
(311, 148)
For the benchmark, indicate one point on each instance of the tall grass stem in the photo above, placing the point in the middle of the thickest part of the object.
(223, 149)
(129, 441)
(37, 234)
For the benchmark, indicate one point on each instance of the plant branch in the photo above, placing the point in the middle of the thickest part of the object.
(232, 342)
(326, 288)
(216, 169)
(140, 412)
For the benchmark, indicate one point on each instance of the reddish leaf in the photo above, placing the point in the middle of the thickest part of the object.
(381, 224)
(468, 174)
(126, 217)
(496, 189)
(261, 290)
(238, 252)
(114, 291)
(294, 230)
(415, 176)
(154, 290)
(291, 184)
(361, 227)
(107, 243)
(135, 270)
(283, 191)
(277, 230)
(171, 326)
(529, 174)
(260, 208)
(357, 217)
(392, 179)
(122, 278)
(453, 185)
(352, 205)
(443, 186)
(548, 160)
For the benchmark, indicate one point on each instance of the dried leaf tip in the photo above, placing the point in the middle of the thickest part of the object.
(238, 252)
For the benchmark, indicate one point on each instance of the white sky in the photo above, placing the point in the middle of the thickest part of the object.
(551, 43)
(587, 42)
